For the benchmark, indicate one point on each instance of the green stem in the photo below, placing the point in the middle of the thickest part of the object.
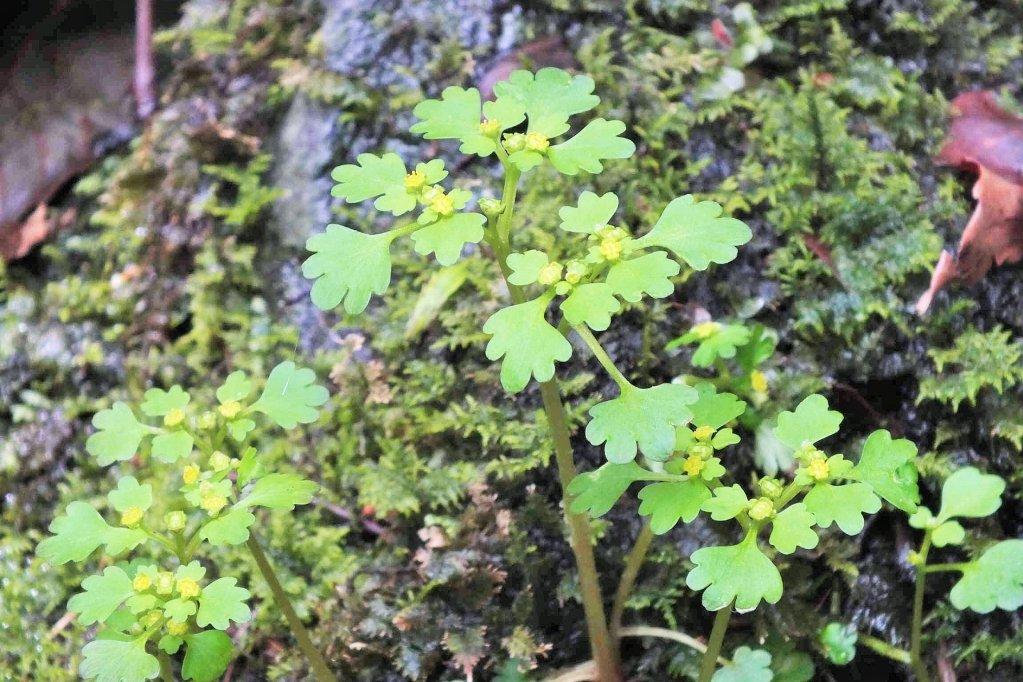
(321, 672)
(602, 646)
(939, 568)
(633, 562)
(916, 634)
(602, 357)
(885, 649)
(166, 671)
(717, 638)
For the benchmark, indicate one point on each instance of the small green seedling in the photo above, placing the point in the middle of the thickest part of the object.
(993, 580)
(169, 599)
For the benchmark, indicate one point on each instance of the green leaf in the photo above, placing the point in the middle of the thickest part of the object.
(592, 213)
(158, 402)
(528, 343)
(118, 436)
(844, 505)
(456, 116)
(383, 177)
(441, 286)
(793, 527)
(170, 644)
(595, 492)
(207, 655)
(240, 428)
(727, 502)
(179, 609)
(231, 528)
(591, 304)
(448, 236)
(222, 601)
(348, 266)
(697, 233)
(236, 387)
(129, 493)
(737, 572)
(80, 531)
(648, 274)
(721, 343)
(995, 580)
(714, 409)
(525, 159)
(838, 640)
(640, 417)
(279, 491)
(747, 665)
(102, 596)
(549, 97)
(667, 502)
(115, 660)
(290, 397)
(172, 446)
(526, 266)
(599, 140)
(886, 466)
(948, 533)
(812, 421)
(967, 493)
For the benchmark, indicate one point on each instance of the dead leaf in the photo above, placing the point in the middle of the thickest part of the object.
(546, 51)
(985, 139)
(17, 240)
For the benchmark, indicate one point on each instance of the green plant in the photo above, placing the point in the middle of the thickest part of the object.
(994, 579)
(163, 600)
(607, 266)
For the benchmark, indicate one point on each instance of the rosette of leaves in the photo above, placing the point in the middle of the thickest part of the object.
(150, 609)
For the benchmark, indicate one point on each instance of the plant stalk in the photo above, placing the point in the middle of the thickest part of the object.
(166, 671)
(916, 634)
(717, 638)
(321, 671)
(633, 562)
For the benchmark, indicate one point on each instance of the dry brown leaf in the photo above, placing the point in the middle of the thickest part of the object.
(17, 240)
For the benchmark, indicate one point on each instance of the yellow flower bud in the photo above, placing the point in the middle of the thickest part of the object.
(757, 381)
(173, 418)
(575, 272)
(761, 508)
(703, 433)
(415, 181)
(207, 421)
(219, 461)
(188, 588)
(701, 450)
(514, 142)
(549, 274)
(770, 487)
(175, 521)
(490, 128)
(141, 583)
(230, 409)
(164, 582)
(818, 469)
(191, 474)
(535, 142)
(705, 330)
(131, 516)
(176, 629)
(442, 205)
(213, 503)
(151, 619)
(693, 465)
(611, 248)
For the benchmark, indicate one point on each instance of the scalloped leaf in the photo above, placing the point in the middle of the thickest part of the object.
(697, 233)
(348, 266)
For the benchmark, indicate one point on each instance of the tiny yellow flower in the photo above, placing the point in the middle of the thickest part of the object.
(535, 142)
(549, 274)
(490, 127)
(611, 248)
(131, 516)
(207, 421)
(191, 474)
(701, 450)
(442, 205)
(231, 409)
(173, 418)
(176, 629)
(164, 582)
(514, 142)
(575, 272)
(761, 508)
(188, 588)
(415, 181)
(818, 469)
(757, 381)
(141, 583)
(705, 330)
(693, 465)
(770, 487)
(703, 433)
(213, 503)
(219, 461)
(151, 619)
(175, 521)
